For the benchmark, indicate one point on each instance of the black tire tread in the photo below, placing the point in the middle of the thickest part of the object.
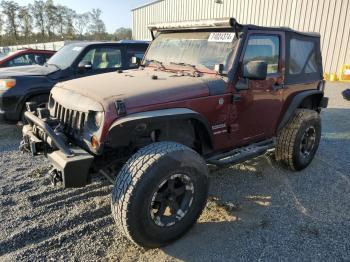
(286, 138)
(130, 175)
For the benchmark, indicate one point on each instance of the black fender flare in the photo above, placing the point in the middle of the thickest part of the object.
(295, 103)
(163, 115)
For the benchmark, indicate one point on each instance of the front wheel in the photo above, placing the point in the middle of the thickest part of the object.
(160, 193)
(298, 141)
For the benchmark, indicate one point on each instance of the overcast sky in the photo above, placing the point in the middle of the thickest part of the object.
(116, 13)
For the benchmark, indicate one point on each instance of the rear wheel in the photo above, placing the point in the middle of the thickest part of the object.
(298, 141)
(159, 193)
(40, 100)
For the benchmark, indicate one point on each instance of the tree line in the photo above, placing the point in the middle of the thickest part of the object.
(45, 21)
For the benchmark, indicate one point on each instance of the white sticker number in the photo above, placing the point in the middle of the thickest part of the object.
(221, 37)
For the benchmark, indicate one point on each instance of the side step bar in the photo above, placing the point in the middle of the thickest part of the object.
(242, 154)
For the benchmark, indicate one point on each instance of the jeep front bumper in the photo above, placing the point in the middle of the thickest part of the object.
(71, 163)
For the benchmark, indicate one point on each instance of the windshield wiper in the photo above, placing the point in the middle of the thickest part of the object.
(195, 69)
(160, 64)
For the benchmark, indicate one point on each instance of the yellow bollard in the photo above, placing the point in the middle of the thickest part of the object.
(326, 77)
(345, 73)
(333, 77)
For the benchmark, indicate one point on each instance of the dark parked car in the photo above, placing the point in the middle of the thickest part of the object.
(19, 85)
(212, 91)
(26, 57)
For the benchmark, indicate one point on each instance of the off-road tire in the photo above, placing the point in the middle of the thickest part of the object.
(139, 179)
(288, 150)
(39, 99)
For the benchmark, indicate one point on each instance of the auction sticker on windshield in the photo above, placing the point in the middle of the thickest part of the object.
(221, 37)
(77, 48)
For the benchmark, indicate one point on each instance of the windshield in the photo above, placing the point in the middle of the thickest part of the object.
(201, 49)
(65, 56)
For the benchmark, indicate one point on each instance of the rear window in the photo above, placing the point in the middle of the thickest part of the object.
(302, 57)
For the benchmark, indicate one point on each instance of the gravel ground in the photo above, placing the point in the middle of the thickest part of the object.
(256, 211)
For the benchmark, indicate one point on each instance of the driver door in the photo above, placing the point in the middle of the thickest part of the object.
(256, 110)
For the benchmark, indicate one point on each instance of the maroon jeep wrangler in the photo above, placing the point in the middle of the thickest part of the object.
(207, 92)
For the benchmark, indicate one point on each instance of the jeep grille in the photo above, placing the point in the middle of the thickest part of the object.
(71, 120)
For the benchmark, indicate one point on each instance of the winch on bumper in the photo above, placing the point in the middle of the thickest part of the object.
(71, 164)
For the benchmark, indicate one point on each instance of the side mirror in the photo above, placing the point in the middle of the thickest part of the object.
(135, 60)
(255, 70)
(84, 65)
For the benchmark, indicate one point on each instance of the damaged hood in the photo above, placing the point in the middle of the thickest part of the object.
(140, 88)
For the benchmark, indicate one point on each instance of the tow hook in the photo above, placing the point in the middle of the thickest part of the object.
(55, 177)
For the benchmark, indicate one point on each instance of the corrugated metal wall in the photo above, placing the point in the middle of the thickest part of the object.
(331, 18)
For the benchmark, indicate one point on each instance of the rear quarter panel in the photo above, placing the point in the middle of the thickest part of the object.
(290, 91)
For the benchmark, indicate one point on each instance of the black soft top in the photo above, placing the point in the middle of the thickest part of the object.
(286, 29)
(221, 23)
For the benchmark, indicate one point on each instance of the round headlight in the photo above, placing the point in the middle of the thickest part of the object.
(98, 117)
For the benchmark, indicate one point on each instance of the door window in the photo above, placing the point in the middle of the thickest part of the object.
(263, 48)
(302, 57)
(104, 58)
(22, 60)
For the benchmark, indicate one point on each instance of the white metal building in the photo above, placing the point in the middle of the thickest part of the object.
(331, 18)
